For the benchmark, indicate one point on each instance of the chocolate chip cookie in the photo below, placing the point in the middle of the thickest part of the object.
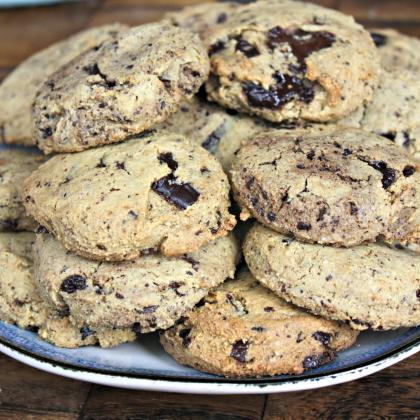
(242, 329)
(149, 293)
(15, 167)
(368, 286)
(120, 89)
(157, 192)
(284, 60)
(19, 88)
(339, 187)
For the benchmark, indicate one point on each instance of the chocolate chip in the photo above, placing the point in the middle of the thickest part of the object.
(221, 18)
(46, 132)
(323, 337)
(271, 216)
(169, 160)
(136, 328)
(182, 195)
(388, 174)
(329, 277)
(258, 329)
(216, 47)
(148, 309)
(301, 42)
(407, 140)
(73, 283)
(194, 263)
(239, 351)
(347, 152)
(311, 362)
(101, 247)
(379, 39)
(211, 143)
(184, 334)
(390, 135)
(269, 309)
(299, 337)
(86, 332)
(353, 209)
(246, 48)
(42, 229)
(311, 154)
(119, 295)
(303, 226)
(409, 170)
(101, 163)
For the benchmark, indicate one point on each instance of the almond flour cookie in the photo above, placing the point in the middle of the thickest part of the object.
(157, 192)
(124, 87)
(18, 90)
(283, 60)
(368, 286)
(21, 304)
(15, 167)
(201, 17)
(242, 329)
(339, 187)
(149, 293)
(219, 131)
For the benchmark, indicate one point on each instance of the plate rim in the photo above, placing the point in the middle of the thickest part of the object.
(215, 387)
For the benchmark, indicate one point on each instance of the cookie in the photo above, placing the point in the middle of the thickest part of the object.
(124, 87)
(15, 167)
(158, 192)
(368, 286)
(201, 17)
(146, 294)
(242, 329)
(339, 186)
(219, 131)
(22, 305)
(286, 60)
(19, 88)
(396, 50)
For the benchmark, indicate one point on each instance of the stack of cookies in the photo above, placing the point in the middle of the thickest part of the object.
(161, 140)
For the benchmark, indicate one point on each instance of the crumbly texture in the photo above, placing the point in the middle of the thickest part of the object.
(149, 293)
(340, 187)
(396, 50)
(158, 192)
(284, 60)
(15, 167)
(244, 330)
(22, 305)
(219, 131)
(19, 88)
(120, 89)
(201, 17)
(368, 286)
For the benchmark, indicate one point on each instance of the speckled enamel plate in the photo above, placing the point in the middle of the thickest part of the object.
(144, 365)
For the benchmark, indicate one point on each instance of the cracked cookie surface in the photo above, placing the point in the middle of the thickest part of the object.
(146, 294)
(283, 60)
(242, 329)
(157, 192)
(339, 187)
(18, 90)
(128, 84)
(15, 167)
(22, 305)
(368, 286)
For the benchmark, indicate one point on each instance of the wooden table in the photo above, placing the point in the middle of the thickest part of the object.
(26, 393)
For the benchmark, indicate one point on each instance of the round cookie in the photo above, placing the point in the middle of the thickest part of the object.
(124, 87)
(368, 286)
(219, 131)
(146, 294)
(243, 330)
(157, 192)
(15, 167)
(396, 50)
(19, 88)
(338, 186)
(21, 303)
(201, 17)
(283, 60)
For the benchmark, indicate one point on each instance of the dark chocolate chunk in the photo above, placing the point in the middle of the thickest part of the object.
(379, 39)
(324, 338)
(168, 158)
(246, 48)
(46, 132)
(347, 152)
(390, 135)
(311, 362)
(184, 334)
(239, 351)
(182, 195)
(216, 47)
(409, 170)
(303, 226)
(388, 174)
(85, 332)
(211, 143)
(136, 328)
(73, 283)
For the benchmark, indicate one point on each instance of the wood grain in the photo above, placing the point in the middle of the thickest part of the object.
(26, 393)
